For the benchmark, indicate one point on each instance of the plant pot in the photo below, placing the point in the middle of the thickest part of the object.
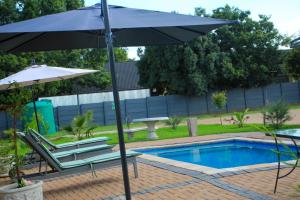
(4, 166)
(30, 192)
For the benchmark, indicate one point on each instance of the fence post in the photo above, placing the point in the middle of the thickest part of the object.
(78, 104)
(104, 117)
(147, 111)
(263, 95)
(125, 108)
(57, 117)
(187, 101)
(281, 92)
(245, 101)
(206, 100)
(167, 104)
(6, 120)
(299, 89)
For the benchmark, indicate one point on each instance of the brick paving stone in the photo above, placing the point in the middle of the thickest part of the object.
(163, 184)
(263, 183)
(197, 191)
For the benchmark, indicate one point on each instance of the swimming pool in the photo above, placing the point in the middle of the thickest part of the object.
(220, 155)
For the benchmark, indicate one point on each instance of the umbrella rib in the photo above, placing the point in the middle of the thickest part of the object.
(30, 40)
(12, 37)
(191, 30)
(167, 35)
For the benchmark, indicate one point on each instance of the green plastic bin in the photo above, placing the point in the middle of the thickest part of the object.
(45, 110)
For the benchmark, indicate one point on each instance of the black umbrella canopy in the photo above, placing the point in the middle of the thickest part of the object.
(94, 27)
(84, 28)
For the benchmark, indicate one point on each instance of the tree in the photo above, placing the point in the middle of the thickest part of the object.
(13, 103)
(252, 47)
(219, 99)
(293, 63)
(12, 11)
(197, 65)
(277, 114)
(224, 59)
(8, 11)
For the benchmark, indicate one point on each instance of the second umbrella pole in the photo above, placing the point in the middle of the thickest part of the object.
(35, 111)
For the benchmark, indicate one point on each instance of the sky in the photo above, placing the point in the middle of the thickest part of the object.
(284, 14)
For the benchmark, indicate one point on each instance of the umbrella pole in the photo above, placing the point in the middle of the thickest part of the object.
(35, 112)
(109, 44)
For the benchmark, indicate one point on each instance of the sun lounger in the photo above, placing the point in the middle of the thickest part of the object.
(77, 166)
(70, 145)
(75, 154)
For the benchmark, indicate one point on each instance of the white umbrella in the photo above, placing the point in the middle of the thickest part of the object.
(37, 74)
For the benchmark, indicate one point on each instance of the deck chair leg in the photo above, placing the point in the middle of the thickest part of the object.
(40, 165)
(135, 168)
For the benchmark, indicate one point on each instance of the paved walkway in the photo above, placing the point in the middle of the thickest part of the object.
(164, 182)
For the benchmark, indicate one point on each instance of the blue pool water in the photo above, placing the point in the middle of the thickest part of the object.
(226, 154)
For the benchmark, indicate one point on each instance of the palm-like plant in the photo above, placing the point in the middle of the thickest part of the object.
(277, 114)
(240, 118)
(173, 122)
(80, 125)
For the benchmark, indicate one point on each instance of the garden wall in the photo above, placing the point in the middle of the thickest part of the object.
(174, 105)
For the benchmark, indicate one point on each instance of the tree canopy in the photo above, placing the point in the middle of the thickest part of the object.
(18, 10)
(241, 55)
(293, 63)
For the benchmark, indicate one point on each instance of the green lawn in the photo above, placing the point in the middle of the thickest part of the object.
(181, 131)
(163, 133)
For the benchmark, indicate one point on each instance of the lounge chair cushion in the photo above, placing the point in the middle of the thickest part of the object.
(97, 159)
(81, 150)
(69, 144)
(81, 142)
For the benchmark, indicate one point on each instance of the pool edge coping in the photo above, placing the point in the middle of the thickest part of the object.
(210, 170)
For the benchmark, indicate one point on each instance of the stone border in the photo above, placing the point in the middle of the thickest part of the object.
(211, 170)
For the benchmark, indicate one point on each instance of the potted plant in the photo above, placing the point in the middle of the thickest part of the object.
(13, 102)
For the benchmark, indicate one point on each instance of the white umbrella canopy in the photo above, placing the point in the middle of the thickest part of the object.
(37, 74)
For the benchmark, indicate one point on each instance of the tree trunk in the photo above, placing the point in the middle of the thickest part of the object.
(221, 120)
(16, 149)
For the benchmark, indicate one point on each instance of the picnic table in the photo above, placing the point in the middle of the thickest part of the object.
(292, 134)
(150, 122)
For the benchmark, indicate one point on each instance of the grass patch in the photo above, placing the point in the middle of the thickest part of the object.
(163, 133)
(180, 132)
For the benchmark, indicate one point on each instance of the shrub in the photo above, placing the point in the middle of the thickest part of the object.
(80, 125)
(33, 125)
(13, 103)
(240, 118)
(277, 114)
(173, 122)
(219, 99)
(5, 157)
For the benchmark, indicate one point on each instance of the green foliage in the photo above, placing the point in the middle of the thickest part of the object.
(293, 63)
(173, 122)
(240, 118)
(13, 102)
(80, 125)
(5, 157)
(277, 114)
(33, 125)
(219, 99)
(225, 58)
(13, 10)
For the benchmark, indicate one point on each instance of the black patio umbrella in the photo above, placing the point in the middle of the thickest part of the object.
(102, 26)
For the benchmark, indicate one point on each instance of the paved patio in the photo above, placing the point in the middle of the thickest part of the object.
(165, 182)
